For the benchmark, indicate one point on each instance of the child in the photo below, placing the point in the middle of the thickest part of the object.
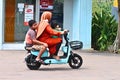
(31, 40)
(56, 27)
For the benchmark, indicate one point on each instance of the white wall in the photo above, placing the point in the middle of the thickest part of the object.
(1, 22)
(85, 23)
(6, 46)
(77, 18)
(68, 16)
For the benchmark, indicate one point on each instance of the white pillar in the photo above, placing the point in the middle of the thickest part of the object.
(76, 20)
(1, 22)
(68, 16)
(82, 16)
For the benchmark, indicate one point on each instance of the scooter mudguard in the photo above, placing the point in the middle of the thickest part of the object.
(35, 52)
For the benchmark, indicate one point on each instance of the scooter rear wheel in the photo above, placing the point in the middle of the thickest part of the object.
(30, 62)
(33, 66)
(75, 61)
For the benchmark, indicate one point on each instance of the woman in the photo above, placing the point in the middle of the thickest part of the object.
(45, 33)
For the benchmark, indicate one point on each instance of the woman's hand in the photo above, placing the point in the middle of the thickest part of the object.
(64, 32)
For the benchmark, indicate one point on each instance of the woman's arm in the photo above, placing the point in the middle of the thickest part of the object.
(53, 32)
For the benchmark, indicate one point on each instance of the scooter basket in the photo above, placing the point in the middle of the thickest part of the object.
(76, 45)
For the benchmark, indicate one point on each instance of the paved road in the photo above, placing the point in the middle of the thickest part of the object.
(96, 66)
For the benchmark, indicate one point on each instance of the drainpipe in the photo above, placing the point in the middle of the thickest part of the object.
(1, 22)
(37, 14)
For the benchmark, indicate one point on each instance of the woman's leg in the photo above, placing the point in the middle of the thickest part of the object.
(57, 48)
(53, 45)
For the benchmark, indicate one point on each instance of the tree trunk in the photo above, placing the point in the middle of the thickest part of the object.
(116, 44)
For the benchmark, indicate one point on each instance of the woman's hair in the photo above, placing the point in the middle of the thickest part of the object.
(31, 22)
(46, 15)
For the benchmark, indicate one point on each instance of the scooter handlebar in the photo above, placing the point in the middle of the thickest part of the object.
(66, 31)
(65, 36)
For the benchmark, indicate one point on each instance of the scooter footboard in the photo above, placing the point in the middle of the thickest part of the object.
(36, 52)
(54, 61)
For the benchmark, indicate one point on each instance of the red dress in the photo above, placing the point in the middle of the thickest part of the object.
(46, 37)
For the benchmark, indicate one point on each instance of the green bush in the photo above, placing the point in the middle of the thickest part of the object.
(104, 30)
(104, 27)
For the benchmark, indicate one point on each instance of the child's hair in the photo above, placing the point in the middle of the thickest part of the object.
(54, 23)
(31, 22)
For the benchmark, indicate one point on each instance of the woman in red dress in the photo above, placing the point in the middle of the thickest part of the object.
(45, 33)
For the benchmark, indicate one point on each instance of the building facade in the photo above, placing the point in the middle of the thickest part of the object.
(74, 15)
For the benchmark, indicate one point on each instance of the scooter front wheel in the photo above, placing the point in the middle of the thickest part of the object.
(75, 61)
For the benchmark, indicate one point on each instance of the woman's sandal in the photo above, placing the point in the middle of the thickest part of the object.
(56, 57)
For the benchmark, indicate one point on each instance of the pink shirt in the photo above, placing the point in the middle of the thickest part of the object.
(31, 34)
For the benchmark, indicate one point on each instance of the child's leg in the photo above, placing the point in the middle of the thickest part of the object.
(41, 49)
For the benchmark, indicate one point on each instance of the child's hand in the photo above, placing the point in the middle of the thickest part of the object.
(45, 44)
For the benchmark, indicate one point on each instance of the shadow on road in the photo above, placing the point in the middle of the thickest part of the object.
(59, 69)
